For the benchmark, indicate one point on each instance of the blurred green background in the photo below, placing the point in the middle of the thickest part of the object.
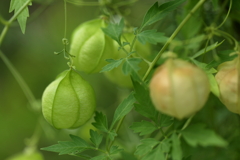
(32, 55)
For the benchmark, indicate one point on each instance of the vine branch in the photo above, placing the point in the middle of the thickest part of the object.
(172, 37)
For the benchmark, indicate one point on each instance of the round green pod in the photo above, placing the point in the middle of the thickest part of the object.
(69, 101)
(91, 46)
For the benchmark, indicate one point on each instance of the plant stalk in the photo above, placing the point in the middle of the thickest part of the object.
(172, 37)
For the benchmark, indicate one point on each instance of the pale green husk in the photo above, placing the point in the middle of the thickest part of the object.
(91, 46)
(69, 101)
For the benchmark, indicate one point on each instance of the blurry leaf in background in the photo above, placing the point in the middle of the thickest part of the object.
(22, 18)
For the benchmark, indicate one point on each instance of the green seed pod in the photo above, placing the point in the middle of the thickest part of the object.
(179, 89)
(27, 156)
(116, 75)
(91, 46)
(228, 82)
(69, 101)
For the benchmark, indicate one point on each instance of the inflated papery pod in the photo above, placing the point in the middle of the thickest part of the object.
(91, 46)
(228, 82)
(69, 101)
(179, 89)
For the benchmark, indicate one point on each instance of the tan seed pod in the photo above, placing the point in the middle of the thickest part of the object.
(179, 89)
(228, 82)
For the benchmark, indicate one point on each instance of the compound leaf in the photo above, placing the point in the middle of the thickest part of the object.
(114, 31)
(143, 127)
(197, 134)
(96, 138)
(176, 147)
(151, 36)
(69, 147)
(144, 105)
(124, 108)
(15, 5)
(100, 122)
(112, 64)
(156, 13)
(146, 146)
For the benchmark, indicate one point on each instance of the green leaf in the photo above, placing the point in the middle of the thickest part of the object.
(156, 13)
(96, 138)
(213, 83)
(127, 156)
(131, 65)
(112, 135)
(224, 56)
(124, 108)
(155, 154)
(146, 146)
(114, 31)
(165, 146)
(112, 64)
(143, 127)
(115, 150)
(79, 141)
(144, 105)
(165, 120)
(69, 147)
(205, 50)
(100, 122)
(176, 147)
(100, 157)
(197, 134)
(15, 5)
(151, 36)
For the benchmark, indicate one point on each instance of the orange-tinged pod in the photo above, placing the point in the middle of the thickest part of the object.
(179, 89)
(228, 82)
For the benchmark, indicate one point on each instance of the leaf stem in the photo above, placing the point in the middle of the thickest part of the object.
(229, 9)
(28, 93)
(65, 16)
(20, 80)
(117, 129)
(186, 125)
(172, 37)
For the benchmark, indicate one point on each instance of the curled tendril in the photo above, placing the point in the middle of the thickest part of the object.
(65, 52)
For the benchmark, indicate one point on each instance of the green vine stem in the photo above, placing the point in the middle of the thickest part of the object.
(172, 37)
(28, 93)
(229, 9)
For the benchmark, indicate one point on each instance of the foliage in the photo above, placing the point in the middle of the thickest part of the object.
(132, 128)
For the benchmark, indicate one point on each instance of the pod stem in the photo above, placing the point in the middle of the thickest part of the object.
(174, 34)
